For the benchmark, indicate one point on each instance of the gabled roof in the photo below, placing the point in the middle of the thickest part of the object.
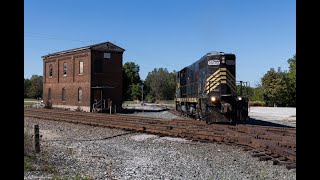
(105, 46)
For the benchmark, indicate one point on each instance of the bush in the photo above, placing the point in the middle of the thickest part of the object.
(150, 99)
(257, 103)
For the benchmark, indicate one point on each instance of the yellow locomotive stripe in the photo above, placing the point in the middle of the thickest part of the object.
(214, 74)
(211, 89)
(221, 76)
(213, 79)
(187, 99)
(216, 80)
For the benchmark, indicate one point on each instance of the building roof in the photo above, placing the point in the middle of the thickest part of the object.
(105, 46)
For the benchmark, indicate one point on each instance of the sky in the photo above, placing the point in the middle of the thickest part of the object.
(168, 34)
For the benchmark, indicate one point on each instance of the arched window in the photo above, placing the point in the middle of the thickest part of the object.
(79, 94)
(65, 69)
(50, 70)
(63, 94)
(49, 94)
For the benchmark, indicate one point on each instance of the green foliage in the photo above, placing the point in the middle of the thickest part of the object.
(257, 94)
(27, 85)
(279, 88)
(292, 81)
(274, 87)
(28, 164)
(136, 92)
(33, 88)
(28, 142)
(254, 94)
(160, 84)
(131, 77)
(257, 103)
(150, 99)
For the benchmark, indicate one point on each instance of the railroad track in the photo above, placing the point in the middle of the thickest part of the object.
(267, 143)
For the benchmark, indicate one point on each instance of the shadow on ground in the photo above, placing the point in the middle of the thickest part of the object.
(252, 121)
(131, 111)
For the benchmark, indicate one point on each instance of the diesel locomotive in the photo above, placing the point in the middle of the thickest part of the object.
(207, 90)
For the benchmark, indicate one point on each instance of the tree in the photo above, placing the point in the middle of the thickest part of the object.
(135, 92)
(160, 84)
(131, 77)
(292, 80)
(257, 94)
(27, 85)
(274, 85)
(35, 89)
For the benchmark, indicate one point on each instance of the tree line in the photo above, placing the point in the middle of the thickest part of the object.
(277, 88)
(33, 87)
(159, 84)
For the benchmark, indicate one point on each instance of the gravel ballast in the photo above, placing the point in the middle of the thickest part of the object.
(103, 153)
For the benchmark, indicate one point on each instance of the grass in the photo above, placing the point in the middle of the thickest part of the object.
(28, 163)
(165, 101)
(30, 158)
(29, 103)
(257, 103)
(29, 99)
(129, 102)
(42, 162)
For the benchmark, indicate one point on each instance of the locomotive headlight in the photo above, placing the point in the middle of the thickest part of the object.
(239, 98)
(213, 98)
(223, 60)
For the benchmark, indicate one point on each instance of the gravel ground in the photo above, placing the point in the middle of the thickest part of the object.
(102, 153)
(161, 114)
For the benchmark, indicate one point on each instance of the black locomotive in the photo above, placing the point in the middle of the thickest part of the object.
(207, 90)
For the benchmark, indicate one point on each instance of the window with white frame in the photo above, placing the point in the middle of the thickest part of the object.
(81, 67)
(106, 55)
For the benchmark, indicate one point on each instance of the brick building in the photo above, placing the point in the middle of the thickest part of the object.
(85, 77)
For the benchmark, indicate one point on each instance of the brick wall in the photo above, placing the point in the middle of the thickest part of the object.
(72, 81)
(111, 76)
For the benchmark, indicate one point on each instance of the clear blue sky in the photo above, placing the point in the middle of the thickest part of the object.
(166, 33)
